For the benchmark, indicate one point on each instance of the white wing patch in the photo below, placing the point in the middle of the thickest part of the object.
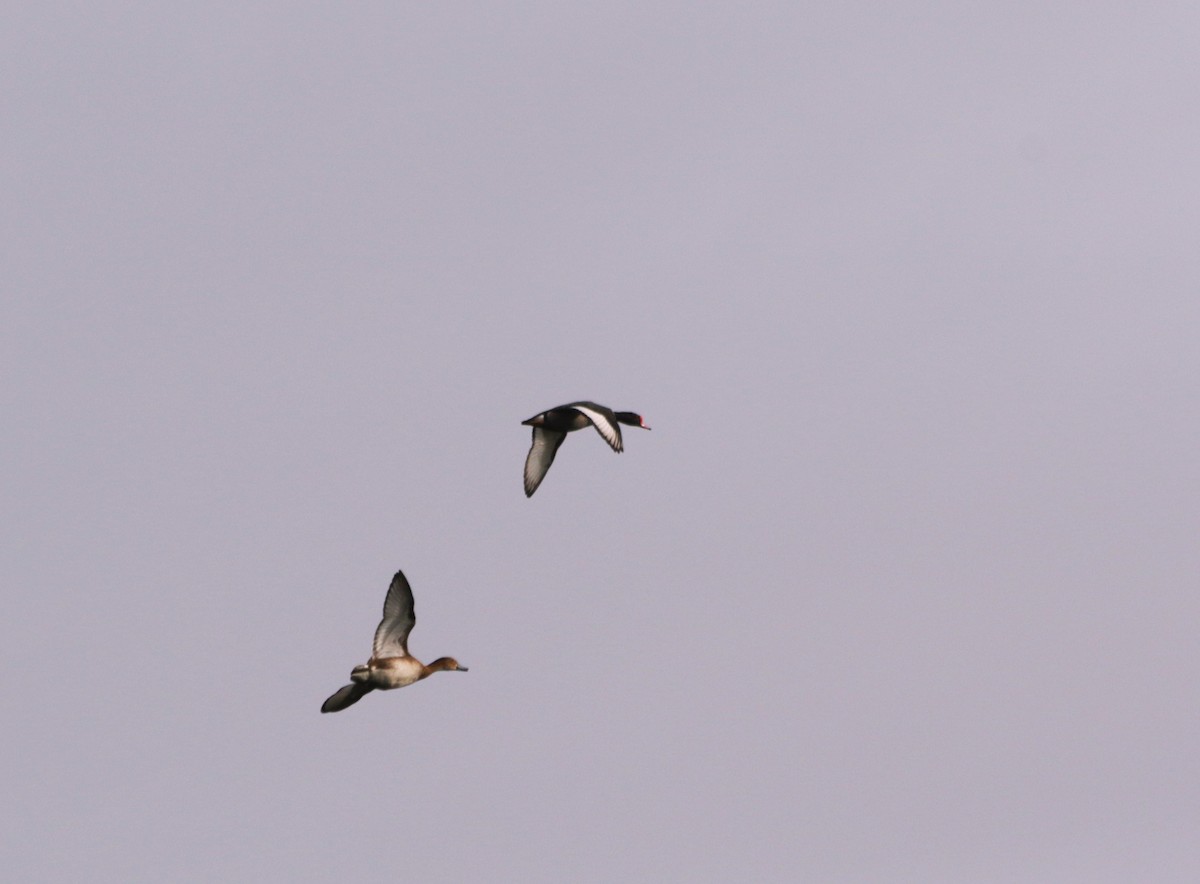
(608, 429)
(399, 617)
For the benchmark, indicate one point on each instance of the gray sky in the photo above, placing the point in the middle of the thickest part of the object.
(901, 587)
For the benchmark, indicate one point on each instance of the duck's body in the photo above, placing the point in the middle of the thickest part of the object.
(550, 428)
(389, 673)
(390, 666)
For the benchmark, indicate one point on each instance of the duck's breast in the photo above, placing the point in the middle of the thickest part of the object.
(395, 672)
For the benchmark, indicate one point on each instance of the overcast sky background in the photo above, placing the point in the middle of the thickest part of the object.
(901, 587)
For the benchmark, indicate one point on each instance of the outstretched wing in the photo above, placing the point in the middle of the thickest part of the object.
(603, 420)
(347, 696)
(391, 636)
(541, 455)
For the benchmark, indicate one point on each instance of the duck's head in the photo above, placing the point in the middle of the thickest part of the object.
(446, 664)
(634, 420)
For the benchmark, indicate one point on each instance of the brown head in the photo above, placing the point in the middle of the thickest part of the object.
(442, 664)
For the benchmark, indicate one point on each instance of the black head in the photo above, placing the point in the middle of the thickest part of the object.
(634, 420)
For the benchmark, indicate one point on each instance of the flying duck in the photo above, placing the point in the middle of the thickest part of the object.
(551, 427)
(390, 665)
